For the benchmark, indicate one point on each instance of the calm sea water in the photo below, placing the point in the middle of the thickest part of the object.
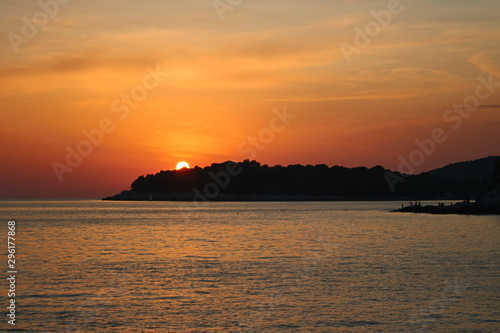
(93, 266)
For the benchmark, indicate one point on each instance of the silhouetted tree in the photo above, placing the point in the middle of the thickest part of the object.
(318, 181)
(496, 173)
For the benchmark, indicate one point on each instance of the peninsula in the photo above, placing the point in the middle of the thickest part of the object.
(251, 181)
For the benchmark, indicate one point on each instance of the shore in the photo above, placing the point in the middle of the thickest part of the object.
(134, 196)
(464, 208)
(189, 196)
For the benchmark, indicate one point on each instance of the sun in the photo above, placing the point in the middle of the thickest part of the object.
(181, 165)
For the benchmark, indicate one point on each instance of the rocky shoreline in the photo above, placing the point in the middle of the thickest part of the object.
(463, 208)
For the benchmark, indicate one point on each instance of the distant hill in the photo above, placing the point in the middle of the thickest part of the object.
(476, 170)
(251, 181)
(487, 198)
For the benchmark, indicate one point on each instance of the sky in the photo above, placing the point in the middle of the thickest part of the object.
(95, 93)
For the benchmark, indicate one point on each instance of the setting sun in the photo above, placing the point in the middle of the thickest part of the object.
(181, 165)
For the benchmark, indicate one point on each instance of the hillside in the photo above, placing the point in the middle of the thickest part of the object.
(477, 170)
(249, 180)
(487, 200)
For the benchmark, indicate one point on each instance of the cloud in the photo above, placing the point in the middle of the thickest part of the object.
(487, 61)
(489, 106)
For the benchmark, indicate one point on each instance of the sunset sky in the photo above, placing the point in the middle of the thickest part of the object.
(206, 78)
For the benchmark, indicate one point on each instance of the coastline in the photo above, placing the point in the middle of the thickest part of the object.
(190, 196)
(462, 208)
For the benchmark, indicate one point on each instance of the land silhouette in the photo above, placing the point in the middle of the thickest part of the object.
(252, 181)
(487, 199)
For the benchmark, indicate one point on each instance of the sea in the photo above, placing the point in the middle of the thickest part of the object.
(108, 266)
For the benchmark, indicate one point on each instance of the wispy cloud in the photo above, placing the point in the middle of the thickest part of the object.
(489, 106)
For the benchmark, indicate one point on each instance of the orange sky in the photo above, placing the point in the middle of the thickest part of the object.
(199, 86)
